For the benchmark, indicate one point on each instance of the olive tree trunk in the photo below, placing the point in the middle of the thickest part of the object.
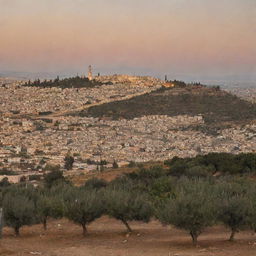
(1, 222)
(232, 236)
(84, 229)
(45, 223)
(127, 226)
(194, 236)
(17, 231)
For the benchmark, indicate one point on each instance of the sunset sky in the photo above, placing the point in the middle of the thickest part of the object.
(186, 39)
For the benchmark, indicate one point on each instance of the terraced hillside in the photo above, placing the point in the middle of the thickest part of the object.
(213, 104)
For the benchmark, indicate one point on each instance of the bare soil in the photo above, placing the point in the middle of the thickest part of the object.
(107, 237)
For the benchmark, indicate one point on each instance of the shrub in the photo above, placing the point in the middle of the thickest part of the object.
(95, 183)
(36, 177)
(132, 164)
(5, 171)
(5, 182)
(162, 188)
(53, 177)
(115, 165)
(147, 175)
(69, 161)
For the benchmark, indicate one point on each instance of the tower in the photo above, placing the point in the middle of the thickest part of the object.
(90, 72)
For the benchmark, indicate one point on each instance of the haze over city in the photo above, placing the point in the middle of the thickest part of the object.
(191, 40)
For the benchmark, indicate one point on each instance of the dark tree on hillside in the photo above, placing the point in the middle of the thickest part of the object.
(53, 177)
(69, 161)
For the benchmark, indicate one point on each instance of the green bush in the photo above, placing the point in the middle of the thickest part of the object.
(203, 166)
(95, 183)
(53, 177)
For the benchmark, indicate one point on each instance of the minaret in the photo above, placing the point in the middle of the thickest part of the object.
(90, 72)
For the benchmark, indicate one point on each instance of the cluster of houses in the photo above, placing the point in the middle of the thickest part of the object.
(15, 98)
(31, 146)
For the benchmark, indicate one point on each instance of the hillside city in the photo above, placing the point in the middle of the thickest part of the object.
(38, 131)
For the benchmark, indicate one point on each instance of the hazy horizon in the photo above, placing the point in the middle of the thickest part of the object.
(198, 40)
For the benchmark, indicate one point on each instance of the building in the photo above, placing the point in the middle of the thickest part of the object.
(90, 72)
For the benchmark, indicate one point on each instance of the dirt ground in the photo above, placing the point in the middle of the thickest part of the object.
(107, 237)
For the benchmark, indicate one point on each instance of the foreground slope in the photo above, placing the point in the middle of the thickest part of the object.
(107, 238)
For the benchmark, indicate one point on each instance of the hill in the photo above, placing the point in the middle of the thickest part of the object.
(215, 105)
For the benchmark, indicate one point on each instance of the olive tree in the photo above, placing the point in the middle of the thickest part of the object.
(233, 205)
(251, 218)
(193, 207)
(19, 210)
(47, 206)
(126, 206)
(83, 206)
(233, 213)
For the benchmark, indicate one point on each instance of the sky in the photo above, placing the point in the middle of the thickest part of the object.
(193, 40)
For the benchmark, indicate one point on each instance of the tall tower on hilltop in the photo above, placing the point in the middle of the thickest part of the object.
(90, 72)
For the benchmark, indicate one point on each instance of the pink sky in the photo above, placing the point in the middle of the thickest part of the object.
(177, 37)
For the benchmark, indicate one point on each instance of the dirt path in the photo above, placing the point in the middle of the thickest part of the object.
(107, 237)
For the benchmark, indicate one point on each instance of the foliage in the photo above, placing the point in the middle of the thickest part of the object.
(18, 211)
(69, 161)
(72, 82)
(5, 182)
(36, 177)
(53, 177)
(192, 209)
(233, 205)
(162, 188)
(147, 175)
(115, 165)
(132, 164)
(212, 163)
(126, 206)
(5, 171)
(83, 207)
(48, 205)
(95, 183)
(190, 200)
